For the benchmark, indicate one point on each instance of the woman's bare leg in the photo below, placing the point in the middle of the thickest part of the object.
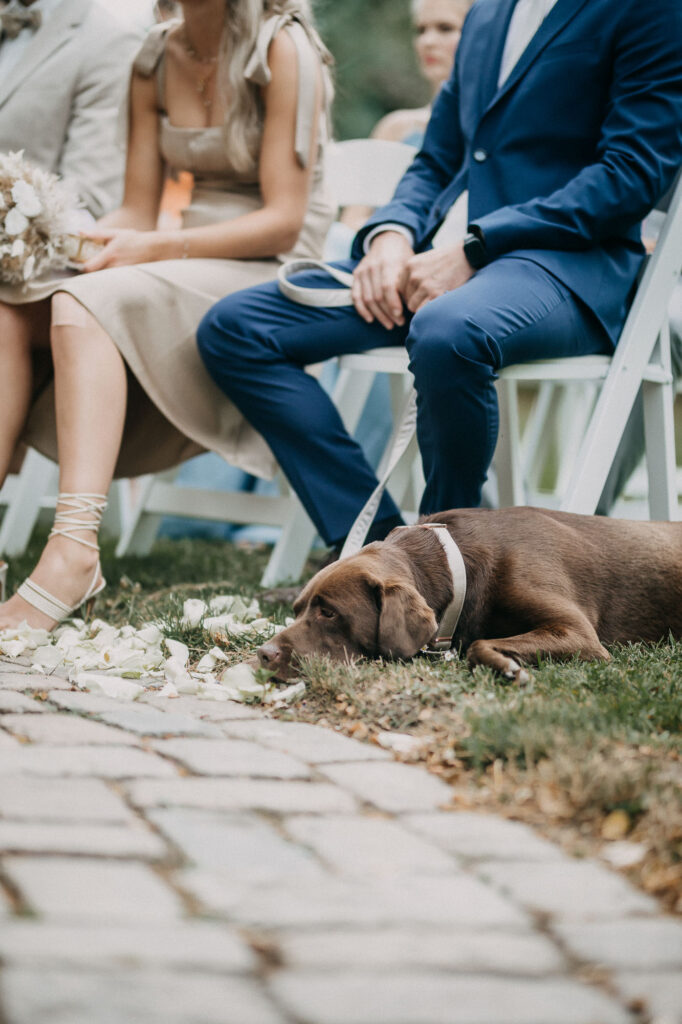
(90, 396)
(21, 328)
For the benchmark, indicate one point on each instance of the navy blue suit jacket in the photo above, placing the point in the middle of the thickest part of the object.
(566, 158)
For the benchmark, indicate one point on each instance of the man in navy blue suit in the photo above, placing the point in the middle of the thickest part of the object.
(560, 127)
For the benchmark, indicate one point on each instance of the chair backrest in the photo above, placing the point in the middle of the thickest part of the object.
(365, 172)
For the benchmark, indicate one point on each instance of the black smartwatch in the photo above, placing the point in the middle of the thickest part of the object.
(475, 250)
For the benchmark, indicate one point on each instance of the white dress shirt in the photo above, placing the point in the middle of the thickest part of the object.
(12, 50)
(526, 20)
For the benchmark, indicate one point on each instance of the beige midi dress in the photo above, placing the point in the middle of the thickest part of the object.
(152, 310)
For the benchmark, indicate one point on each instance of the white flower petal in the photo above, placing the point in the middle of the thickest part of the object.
(193, 612)
(110, 686)
(178, 651)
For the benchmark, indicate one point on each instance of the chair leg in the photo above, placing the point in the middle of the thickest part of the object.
(508, 452)
(143, 526)
(292, 548)
(659, 435)
(37, 477)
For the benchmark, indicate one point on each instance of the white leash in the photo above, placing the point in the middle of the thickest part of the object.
(403, 432)
(321, 298)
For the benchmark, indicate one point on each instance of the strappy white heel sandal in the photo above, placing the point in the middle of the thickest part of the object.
(68, 520)
(3, 582)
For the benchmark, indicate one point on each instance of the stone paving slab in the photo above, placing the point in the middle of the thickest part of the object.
(99, 762)
(188, 945)
(494, 952)
(129, 997)
(198, 862)
(232, 757)
(307, 742)
(26, 797)
(65, 730)
(572, 889)
(285, 797)
(368, 845)
(432, 998)
(76, 888)
(658, 995)
(644, 944)
(86, 840)
(390, 786)
(32, 682)
(415, 900)
(484, 836)
(146, 721)
(246, 848)
(211, 710)
(13, 700)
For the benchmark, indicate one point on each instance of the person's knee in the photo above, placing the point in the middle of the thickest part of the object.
(229, 331)
(443, 341)
(67, 313)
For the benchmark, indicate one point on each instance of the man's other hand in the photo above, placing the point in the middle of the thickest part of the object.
(376, 281)
(431, 274)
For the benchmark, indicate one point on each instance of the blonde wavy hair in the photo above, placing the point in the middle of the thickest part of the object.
(242, 99)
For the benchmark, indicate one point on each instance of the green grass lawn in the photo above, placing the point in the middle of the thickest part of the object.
(588, 752)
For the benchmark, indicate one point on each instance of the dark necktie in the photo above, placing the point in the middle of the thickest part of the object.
(16, 17)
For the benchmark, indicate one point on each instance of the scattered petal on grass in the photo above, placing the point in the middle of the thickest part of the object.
(399, 742)
(624, 854)
(193, 612)
(109, 686)
(286, 696)
(101, 657)
(178, 651)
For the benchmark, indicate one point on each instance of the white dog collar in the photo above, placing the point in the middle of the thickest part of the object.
(451, 615)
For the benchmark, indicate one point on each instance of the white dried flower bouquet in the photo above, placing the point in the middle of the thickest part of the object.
(35, 208)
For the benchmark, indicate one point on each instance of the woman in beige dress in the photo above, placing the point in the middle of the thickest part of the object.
(237, 92)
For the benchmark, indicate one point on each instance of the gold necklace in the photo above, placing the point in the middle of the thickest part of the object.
(202, 82)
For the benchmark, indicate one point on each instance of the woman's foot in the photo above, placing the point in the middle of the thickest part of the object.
(65, 570)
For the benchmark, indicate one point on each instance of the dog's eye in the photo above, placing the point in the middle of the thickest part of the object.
(328, 613)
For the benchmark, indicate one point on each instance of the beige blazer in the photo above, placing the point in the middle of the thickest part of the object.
(61, 102)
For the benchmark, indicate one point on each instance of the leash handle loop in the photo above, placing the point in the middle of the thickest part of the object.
(317, 298)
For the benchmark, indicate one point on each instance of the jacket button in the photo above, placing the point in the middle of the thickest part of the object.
(480, 155)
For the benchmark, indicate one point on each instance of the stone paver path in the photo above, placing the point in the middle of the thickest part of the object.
(193, 862)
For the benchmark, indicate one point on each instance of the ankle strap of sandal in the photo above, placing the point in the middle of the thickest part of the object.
(67, 520)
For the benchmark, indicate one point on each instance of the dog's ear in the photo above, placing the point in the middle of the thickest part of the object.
(406, 622)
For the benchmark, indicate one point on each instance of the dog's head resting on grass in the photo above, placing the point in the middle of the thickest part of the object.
(543, 583)
(368, 605)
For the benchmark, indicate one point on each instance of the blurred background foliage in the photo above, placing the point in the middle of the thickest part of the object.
(376, 69)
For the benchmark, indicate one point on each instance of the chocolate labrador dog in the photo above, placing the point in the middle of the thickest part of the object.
(538, 583)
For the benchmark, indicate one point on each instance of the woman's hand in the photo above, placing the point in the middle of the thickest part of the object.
(123, 247)
(377, 280)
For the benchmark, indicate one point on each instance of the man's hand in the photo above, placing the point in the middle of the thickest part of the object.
(376, 281)
(430, 274)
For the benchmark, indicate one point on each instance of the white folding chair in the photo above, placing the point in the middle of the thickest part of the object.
(358, 172)
(33, 490)
(641, 359)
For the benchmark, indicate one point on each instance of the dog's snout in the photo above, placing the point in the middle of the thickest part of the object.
(270, 655)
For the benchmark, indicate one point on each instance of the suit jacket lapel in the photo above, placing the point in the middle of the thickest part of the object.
(490, 38)
(50, 37)
(561, 14)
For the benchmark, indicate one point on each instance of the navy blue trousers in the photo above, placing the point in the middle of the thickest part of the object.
(256, 343)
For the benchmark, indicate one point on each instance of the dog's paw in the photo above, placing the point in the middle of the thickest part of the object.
(515, 672)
